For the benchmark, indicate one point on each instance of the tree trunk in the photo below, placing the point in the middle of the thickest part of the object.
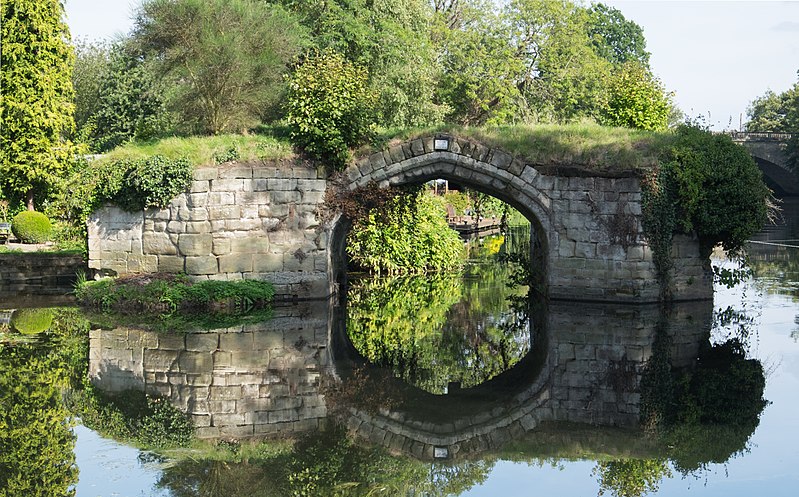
(29, 200)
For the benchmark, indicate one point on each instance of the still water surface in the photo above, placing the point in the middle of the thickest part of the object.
(573, 399)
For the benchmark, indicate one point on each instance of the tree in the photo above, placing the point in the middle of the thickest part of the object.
(91, 61)
(329, 106)
(222, 60)
(130, 103)
(636, 99)
(615, 38)
(36, 106)
(391, 40)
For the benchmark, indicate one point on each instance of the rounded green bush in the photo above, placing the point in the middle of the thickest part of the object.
(32, 321)
(31, 227)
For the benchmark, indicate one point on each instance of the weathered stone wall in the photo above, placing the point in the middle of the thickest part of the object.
(38, 274)
(259, 221)
(241, 382)
(588, 227)
(239, 221)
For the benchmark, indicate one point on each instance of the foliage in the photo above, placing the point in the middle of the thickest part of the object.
(204, 150)
(433, 330)
(391, 41)
(140, 184)
(631, 477)
(36, 442)
(585, 145)
(705, 414)
(221, 60)
(320, 463)
(408, 234)
(91, 61)
(31, 227)
(719, 190)
(615, 38)
(705, 184)
(176, 303)
(32, 321)
(129, 104)
(36, 107)
(329, 106)
(150, 422)
(479, 83)
(636, 100)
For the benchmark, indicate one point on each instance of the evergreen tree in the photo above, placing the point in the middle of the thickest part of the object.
(36, 104)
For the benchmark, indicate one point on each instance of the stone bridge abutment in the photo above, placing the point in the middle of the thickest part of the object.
(264, 221)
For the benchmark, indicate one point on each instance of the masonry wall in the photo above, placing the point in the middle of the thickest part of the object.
(238, 221)
(263, 222)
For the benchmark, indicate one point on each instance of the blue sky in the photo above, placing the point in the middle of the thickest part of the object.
(716, 56)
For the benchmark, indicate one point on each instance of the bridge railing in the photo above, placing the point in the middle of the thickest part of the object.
(758, 136)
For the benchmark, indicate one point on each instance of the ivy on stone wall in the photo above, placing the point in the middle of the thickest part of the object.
(707, 185)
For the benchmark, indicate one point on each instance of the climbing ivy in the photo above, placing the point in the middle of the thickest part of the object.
(707, 185)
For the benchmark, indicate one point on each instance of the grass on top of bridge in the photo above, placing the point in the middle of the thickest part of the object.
(208, 150)
(587, 146)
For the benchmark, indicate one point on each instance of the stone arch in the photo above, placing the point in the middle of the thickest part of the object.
(489, 170)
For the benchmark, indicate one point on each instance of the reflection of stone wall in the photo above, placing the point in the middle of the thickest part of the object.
(251, 380)
(38, 274)
(591, 373)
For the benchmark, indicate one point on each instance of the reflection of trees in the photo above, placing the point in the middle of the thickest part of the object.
(631, 477)
(706, 414)
(36, 442)
(327, 463)
(433, 330)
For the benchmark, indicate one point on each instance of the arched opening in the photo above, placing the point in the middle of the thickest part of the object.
(444, 333)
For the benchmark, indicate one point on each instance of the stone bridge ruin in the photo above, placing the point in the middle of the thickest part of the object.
(264, 221)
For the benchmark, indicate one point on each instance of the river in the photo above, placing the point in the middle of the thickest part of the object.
(442, 385)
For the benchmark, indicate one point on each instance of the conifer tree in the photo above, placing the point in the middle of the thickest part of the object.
(36, 103)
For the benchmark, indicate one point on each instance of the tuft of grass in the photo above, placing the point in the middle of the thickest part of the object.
(175, 303)
(207, 150)
(585, 146)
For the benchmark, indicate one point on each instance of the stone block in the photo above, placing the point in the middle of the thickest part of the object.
(195, 244)
(202, 342)
(235, 263)
(158, 243)
(285, 184)
(221, 198)
(221, 246)
(227, 185)
(201, 265)
(268, 263)
(196, 362)
(249, 244)
(198, 227)
(170, 263)
(206, 173)
(237, 172)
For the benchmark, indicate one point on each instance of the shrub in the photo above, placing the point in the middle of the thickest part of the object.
(32, 321)
(329, 107)
(31, 227)
(409, 234)
(142, 183)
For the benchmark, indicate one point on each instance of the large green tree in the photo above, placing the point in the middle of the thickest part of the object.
(36, 105)
(636, 99)
(615, 38)
(391, 40)
(222, 61)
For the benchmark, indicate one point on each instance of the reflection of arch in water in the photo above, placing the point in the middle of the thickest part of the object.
(584, 368)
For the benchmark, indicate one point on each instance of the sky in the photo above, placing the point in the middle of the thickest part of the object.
(716, 56)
